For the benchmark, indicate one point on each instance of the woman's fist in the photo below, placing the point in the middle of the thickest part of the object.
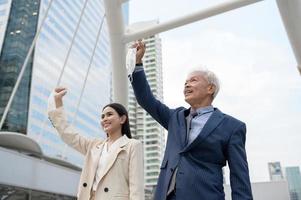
(59, 92)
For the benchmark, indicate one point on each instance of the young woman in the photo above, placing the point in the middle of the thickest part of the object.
(113, 167)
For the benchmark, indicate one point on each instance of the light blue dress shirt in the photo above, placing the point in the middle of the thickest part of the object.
(196, 121)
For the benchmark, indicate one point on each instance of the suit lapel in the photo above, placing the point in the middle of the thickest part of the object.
(215, 119)
(95, 155)
(113, 156)
(183, 127)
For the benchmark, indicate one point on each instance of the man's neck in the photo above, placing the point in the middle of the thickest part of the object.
(200, 105)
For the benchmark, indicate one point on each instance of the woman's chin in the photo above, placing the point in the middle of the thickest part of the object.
(107, 130)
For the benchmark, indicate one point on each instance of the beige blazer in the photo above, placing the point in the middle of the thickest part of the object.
(123, 176)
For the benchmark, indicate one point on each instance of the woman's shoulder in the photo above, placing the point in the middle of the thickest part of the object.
(97, 142)
(135, 144)
(134, 141)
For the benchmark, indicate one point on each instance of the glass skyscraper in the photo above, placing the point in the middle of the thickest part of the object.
(54, 49)
(20, 31)
(143, 126)
(4, 11)
(294, 182)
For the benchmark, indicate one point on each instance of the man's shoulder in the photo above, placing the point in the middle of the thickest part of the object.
(180, 110)
(231, 118)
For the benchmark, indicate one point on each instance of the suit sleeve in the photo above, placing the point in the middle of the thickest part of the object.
(238, 165)
(136, 172)
(68, 134)
(145, 98)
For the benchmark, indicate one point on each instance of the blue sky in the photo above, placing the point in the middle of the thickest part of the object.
(249, 51)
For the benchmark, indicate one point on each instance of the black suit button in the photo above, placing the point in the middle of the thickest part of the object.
(85, 184)
(106, 189)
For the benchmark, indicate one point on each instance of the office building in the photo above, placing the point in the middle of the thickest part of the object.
(143, 126)
(274, 190)
(293, 178)
(60, 45)
(275, 171)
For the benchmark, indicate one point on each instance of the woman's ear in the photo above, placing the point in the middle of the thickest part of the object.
(122, 119)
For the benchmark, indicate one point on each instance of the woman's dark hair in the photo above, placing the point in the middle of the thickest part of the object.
(120, 109)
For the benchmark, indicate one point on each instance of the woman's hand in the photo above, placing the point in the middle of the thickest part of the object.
(59, 92)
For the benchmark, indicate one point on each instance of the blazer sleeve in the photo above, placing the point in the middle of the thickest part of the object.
(238, 165)
(68, 134)
(136, 172)
(145, 98)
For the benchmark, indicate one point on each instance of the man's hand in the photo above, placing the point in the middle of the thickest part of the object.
(58, 96)
(140, 46)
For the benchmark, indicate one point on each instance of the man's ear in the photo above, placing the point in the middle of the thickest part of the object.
(211, 89)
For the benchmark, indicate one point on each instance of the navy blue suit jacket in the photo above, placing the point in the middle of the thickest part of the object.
(199, 175)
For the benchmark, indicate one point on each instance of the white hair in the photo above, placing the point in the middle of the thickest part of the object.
(210, 77)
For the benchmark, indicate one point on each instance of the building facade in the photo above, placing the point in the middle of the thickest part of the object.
(275, 171)
(21, 25)
(4, 14)
(273, 190)
(293, 178)
(64, 47)
(143, 126)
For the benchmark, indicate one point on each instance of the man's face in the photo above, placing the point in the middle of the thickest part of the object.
(197, 89)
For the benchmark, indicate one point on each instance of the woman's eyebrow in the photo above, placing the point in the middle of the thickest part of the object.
(109, 112)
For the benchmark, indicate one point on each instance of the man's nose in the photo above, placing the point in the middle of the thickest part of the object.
(187, 85)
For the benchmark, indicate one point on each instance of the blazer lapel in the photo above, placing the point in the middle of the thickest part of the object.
(95, 155)
(112, 158)
(215, 119)
(183, 127)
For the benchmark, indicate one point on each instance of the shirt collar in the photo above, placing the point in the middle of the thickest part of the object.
(202, 110)
(117, 143)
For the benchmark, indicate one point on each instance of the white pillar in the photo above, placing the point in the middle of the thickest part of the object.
(290, 11)
(116, 30)
(188, 19)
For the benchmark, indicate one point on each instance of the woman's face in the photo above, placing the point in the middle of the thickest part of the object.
(111, 122)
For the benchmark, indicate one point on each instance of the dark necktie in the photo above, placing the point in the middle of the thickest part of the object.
(191, 116)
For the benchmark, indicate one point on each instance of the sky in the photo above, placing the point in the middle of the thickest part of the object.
(249, 51)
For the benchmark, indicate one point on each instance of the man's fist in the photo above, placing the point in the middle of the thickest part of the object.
(140, 46)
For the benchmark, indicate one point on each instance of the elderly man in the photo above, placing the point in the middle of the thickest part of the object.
(200, 140)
